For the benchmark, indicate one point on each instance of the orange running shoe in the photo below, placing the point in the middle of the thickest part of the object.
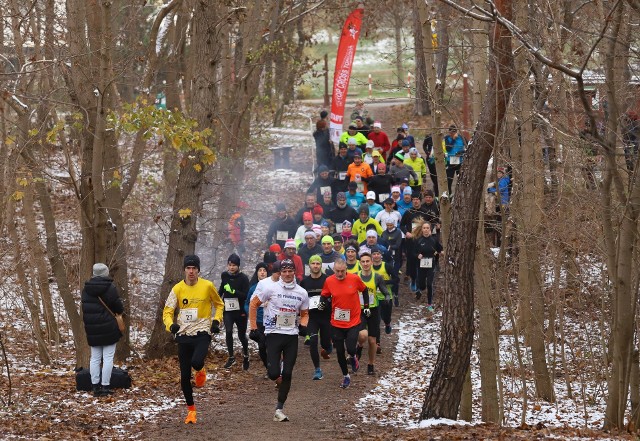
(191, 417)
(201, 377)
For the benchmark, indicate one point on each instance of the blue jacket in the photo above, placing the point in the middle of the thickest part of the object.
(503, 186)
(403, 206)
(455, 147)
(246, 304)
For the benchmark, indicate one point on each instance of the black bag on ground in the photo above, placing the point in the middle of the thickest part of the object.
(120, 378)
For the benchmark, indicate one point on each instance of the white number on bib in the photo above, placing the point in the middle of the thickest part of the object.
(382, 197)
(282, 235)
(314, 302)
(454, 160)
(342, 315)
(189, 315)
(342, 175)
(231, 304)
(426, 262)
(286, 320)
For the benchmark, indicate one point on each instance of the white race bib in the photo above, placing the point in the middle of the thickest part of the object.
(342, 315)
(426, 262)
(414, 225)
(282, 235)
(314, 302)
(327, 265)
(307, 270)
(338, 228)
(286, 320)
(231, 304)
(454, 160)
(342, 175)
(188, 315)
(382, 197)
(360, 186)
(323, 190)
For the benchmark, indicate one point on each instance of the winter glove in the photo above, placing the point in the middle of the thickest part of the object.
(367, 312)
(254, 335)
(174, 328)
(322, 305)
(228, 289)
(215, 327)
(302, 331)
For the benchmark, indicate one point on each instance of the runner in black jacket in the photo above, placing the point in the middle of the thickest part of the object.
(234, 287)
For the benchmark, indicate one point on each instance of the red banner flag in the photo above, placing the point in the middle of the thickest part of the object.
(342, 74)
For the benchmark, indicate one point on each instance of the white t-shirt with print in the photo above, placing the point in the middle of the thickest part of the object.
(283, 306)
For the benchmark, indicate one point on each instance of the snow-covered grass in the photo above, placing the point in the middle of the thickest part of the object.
(398, 397)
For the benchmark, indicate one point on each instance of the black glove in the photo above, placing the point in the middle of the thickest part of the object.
(254, 335)
(322, 305)
(215, 327)
(174, 328)
(302, 331)
(367, 311)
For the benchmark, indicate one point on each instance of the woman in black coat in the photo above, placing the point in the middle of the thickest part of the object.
(324, 147)
(426, 251)
(100, 326)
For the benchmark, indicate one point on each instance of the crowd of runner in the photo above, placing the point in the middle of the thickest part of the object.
(331, 269)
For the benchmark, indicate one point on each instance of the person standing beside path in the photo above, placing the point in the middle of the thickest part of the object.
(100, 325)
(234, 286)
(196, 299)
(343, 290)
(286, 315)
(319, 327)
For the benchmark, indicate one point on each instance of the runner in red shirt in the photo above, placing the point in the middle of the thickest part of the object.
(344, 291)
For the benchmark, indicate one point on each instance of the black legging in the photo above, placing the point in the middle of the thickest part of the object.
(452, 170)
(192, 351)
(433, 174)
(318, 325)
(425, 281)
(281, 347)
(262, 346)
(238, 318)
(345, 337)
(412, 267)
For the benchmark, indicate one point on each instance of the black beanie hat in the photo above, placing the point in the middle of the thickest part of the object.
(262, 265)
(191, 260)
(234, 258)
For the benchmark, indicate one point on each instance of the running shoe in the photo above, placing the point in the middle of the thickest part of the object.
(430, 308)
(325, 354)
(191, 417)
(318, 374)
(378, 349)
(358, 352)
(355, 364)
(346, 382)
(201, 377)
(370, 370)
(396, 302)
(387, 329)
(230, 362)
(245, 363)
(280, 416)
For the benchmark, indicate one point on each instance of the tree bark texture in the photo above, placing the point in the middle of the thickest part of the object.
(443, 395)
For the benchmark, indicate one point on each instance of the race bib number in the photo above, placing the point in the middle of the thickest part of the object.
(307, 270)
(314, 302)
(382, 197)
(370, 299)
(338, 228)
(286, 320)
(282, 235)
(342, 175)
(342, 315)
(189, 315)
(426, 262)
(231, 304)
(325, 189)
(454, 160)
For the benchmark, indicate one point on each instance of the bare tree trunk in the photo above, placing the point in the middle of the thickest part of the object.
(443, 395)
(422, 44)
(398, 23)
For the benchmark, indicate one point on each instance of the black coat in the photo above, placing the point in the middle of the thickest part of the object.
(101, 327)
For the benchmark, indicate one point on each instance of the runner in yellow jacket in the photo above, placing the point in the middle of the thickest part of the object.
(195, 299)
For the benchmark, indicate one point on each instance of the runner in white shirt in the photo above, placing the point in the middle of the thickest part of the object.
(286, 315)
